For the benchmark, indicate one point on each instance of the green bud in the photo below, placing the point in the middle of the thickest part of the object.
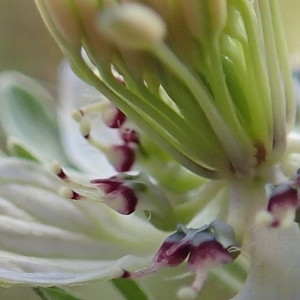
(132, 25)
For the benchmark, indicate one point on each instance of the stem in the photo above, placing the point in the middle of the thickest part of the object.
(256, 59)
(275, 81)
(237, 152)
(165, 119)
(282, 53)
(84, 72)
(221, 94)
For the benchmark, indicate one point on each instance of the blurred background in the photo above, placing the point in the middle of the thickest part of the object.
(26, 46)
(25, 43)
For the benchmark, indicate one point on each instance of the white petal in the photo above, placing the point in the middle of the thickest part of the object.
(275, 270)
(74, 93)
(48, 240)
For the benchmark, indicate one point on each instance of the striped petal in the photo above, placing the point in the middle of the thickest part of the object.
(48, 240)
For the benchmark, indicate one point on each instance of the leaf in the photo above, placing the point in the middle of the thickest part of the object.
(54, 293)
(129, 289)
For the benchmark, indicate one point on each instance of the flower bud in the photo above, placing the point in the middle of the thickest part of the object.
(204, 18)
(132, 25)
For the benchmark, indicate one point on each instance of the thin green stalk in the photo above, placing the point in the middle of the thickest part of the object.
(83, 70)
(275, 79)
(165, 119)
(221, 93)
(195, 139)
(256, 57)
(237, 152)
(282, 53)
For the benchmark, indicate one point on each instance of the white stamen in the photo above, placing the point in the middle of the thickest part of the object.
(56, 167)
(76, 115)
(65, 192)
(264, 219)
(85, 128)
(187, 293)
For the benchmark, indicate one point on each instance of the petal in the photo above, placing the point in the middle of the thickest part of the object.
(26, 114)
(74, 93)
(275, 269)
(48, 240)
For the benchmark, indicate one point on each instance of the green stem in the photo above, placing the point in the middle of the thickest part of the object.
(220, 90)
(275, 79)
(163, 118)
(187, 132)
(256, 59)
(282, 53)
(83, 71)
(237, 152)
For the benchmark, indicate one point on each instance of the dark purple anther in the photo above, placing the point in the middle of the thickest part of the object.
(113, 117)
(129, 135)
(211, 252)
(108, 185)
(283, 196)
(163, 258)
(75, 196)
(123, 200)
(62, 175)
(122, 157)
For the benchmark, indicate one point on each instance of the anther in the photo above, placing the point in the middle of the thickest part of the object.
(129, 135)
(76, 115)
(122, 200)
(283, 203)
(204, 249)
(58, 171)
(85, 128)
(67, 193)
(113, 117)
(108, 185)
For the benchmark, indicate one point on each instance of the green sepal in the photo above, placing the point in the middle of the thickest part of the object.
(18, 149)
(54, 293)
(25, 115)
(129, 289)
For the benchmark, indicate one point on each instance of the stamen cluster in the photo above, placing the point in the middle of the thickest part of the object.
(206, 247)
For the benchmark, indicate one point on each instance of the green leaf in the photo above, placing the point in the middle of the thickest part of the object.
(129, 289)
(54, 293)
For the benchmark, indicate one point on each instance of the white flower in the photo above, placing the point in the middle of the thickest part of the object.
(48, 240)
(192, 163)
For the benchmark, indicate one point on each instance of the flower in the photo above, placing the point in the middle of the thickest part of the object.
(203, 156)
(67, 241)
